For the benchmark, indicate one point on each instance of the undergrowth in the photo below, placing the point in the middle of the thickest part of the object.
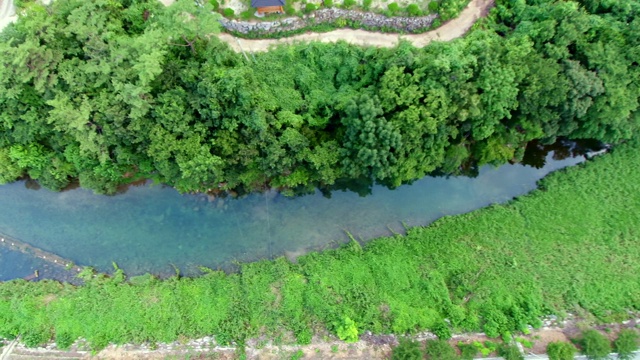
(572, 245)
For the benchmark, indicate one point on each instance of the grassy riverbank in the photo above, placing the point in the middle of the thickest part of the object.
(571, 246)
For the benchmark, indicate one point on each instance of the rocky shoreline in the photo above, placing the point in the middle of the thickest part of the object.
(331, 16)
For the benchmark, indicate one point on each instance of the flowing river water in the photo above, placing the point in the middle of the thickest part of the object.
(153, 228)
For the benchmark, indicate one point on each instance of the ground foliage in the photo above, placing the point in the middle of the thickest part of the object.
(572, 246)
(110, 91)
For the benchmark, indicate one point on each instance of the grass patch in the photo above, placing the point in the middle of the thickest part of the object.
(572, 245)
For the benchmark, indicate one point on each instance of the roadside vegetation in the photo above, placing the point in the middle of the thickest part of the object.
(110, 92)
(570, 246)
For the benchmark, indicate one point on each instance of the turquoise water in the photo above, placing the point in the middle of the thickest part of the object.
(153, 228)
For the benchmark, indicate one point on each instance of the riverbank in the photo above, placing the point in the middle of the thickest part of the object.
(568, 247)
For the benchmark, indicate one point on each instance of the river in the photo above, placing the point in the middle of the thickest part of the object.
(153, 228)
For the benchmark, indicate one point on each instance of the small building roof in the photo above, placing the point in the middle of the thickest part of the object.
(265, 3)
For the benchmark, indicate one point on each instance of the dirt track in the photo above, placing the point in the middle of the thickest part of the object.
(452, 29)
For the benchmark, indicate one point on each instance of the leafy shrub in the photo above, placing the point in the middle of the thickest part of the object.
(64, 340)
(407, 349)
(442, 331)
(561, 351)
(440, 350)
(288, 9)
(510, 352)
(366, 4)
(341, 22)
(348, 4)
(485, 348)
(35, 339)
(414, 10)
(433, 7)
(467, 351)
(247, 14)
(595, 345)
(215, 4)
(228, 12)
(393, 8)
(347, 331)
(626, 344)
(328, 3)
(310, 8)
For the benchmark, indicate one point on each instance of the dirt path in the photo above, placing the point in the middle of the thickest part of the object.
(452, 29)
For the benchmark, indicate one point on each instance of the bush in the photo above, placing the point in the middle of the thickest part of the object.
(561, 351)
(414, 10)
(228, 12)
(328, 3)
(310, 8)
(247, 14)
(440, 350)
(442, 331)
(467, 351)
(215, 4)
(347, 331)
(288, 9)
(366, 4)
(347, 4)
(595, 345)
(433, 7)
(393, 8)
(407, 349)
(510, 352)
(626, 344)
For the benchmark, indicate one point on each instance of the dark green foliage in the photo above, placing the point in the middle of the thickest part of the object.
(467, 351)
(434, 6)
(439, 350)
(215, 4)
(407, 349)
(189, 112)
(327, 3)
(510, 352)
(626, 343)
(366, 4)
(561, 351)
(228, 12)
(595, 345)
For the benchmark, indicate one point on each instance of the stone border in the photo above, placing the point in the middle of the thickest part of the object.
(331, 16)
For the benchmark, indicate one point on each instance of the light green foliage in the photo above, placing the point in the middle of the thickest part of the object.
(434, 6)
(328, 3)
(595, 345)
(407, 349)
(366, 4)
(626, 343)
(561, 351)
(310, 7)
(393, 8)
(347, 330)
(228, 12)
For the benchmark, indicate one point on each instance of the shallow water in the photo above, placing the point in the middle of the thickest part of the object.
(154, 228)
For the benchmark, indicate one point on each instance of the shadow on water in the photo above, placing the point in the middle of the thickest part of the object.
(152, 228)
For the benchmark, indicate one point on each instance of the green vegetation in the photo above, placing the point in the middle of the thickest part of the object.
(439, 350)
(510, 352)
(407, 349)
(595, 345)
(561, 351)
(145, 93)
(497, 269)
(626, 343)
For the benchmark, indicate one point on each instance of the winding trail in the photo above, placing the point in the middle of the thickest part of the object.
(450, 30)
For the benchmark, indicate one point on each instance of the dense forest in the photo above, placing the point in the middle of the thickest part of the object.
(111, 91)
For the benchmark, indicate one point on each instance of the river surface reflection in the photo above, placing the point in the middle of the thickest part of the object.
(152, 228)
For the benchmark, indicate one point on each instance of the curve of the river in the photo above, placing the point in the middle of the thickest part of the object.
(153, 228)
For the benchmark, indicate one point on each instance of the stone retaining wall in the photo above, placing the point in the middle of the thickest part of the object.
(366, 19)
